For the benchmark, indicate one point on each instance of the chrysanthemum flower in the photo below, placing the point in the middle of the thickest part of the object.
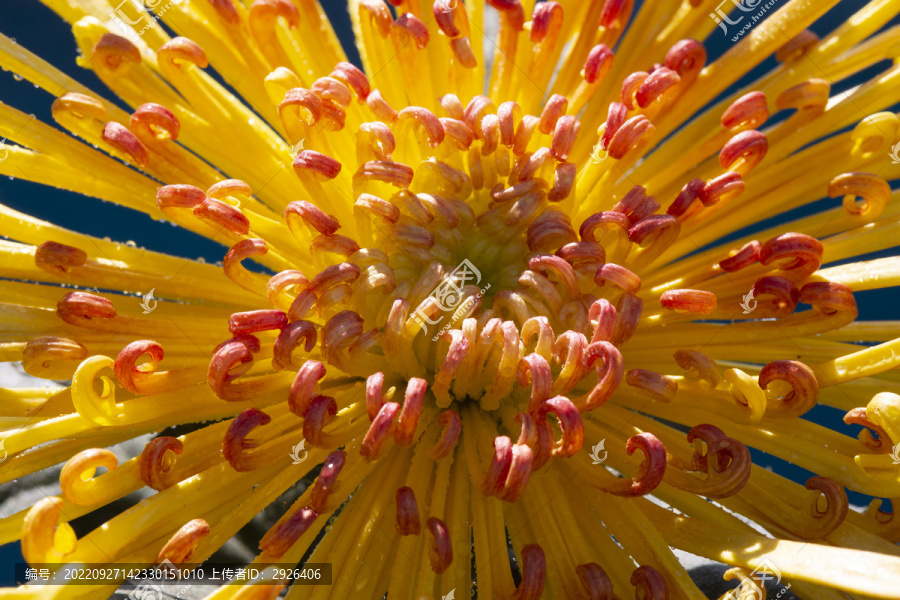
(519, 291)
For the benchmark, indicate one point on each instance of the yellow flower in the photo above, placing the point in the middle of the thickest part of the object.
(538, 304)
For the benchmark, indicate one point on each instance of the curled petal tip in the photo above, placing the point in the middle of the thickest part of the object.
(181, 50)
(749, 111)
(410, 26)
(520, 468)
(44, 538)
(606, 359)
(101, 408)
(378, 431)
(316, 163)
(440, 549)
(322, 409)
(830, 298)
(655, 85)
(598, 63)
(534, 370)
(534, 573)
(304, 386)
(179, 196)
(650, 584)
(235, 443)
(75, 479)
(77, 105)
(247, 323)
(698, 302)
(407, 512)
(114, 51)
(52, 357)
(722, 188)
(836, 509)
(227, 11)
(230, 360)
(296, 335)
(119, 137)
(802, 381)
(657, 386)
(282, 536)
(153, 123)
(230, 188)
(180, 546)
(327, 480)
(747, 255)
(57, 258)
(405, 431)
(698, 366)
(651, 471)
(594, 582)
(312, 216)
(570, 424)
(352, 77)
(451, 427)
(135, 378)
(554, 109)
(496, 475)
(744, 151)
(546, 20)
(156, 461)
(797, 46)
(797, 254)
(726, 462)
(224, 215)
(686, 57)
